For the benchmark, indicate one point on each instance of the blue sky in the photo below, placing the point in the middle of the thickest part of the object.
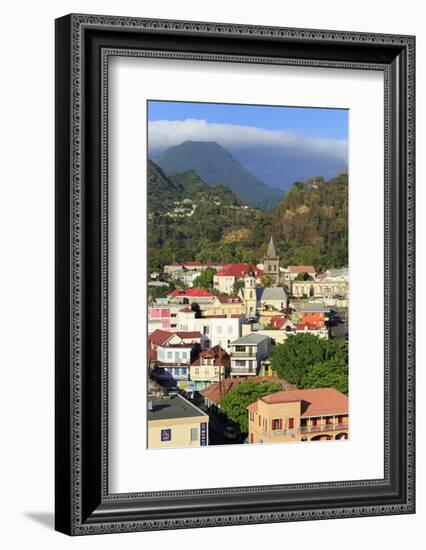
(310, 122)
(279, 145)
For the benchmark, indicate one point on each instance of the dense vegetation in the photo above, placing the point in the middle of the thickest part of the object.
(311, 223)
(189, 220)
(210, 224)
(234, 404)
(214, 164)
(311, 362)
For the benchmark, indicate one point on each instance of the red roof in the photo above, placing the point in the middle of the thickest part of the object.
(301, 269)
(218, 316)
(252, 407)
(239, 270)
(195, 334)
(186, 310)
(160, 337)
(221, 358)
(191, 292)
(278, 322)
(315, 402)
(216, 391)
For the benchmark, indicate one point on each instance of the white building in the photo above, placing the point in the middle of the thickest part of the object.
(225, 278)
(247, 353)
(217, 330)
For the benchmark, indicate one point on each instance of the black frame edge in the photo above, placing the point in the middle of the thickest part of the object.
(63, 494)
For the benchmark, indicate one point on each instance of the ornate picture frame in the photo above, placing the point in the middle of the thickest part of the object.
(84, 43)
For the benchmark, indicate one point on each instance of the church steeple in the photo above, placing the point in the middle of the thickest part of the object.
(271, 254)
(271, 263)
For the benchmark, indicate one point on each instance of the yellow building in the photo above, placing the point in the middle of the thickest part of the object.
(299, 415)
(175, 422)
(224, 305)
(266, 369)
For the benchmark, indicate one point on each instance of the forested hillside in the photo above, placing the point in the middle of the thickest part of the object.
(190, 220)
(311, 224)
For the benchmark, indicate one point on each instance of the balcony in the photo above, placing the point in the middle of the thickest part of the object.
(323, 428)
(293, 431)
(244, 354)
(243, 370)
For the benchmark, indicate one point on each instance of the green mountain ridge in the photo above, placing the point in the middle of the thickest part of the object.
(190, 220)
(214, 164)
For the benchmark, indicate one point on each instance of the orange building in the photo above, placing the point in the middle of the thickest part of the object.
(311, 313)
(299, 415)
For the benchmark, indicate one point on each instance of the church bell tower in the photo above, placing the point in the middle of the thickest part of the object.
(271, 264)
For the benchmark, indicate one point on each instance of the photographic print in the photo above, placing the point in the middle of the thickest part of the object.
(248, 274)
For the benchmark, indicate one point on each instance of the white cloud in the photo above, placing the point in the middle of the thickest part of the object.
(166, 133)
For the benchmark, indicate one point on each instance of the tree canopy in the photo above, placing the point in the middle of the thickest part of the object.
(205, 279)
(234, 404)
(327, 374)
(303, 276)
(311, 362)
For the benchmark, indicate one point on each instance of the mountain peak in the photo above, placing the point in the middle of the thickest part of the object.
(215, 164)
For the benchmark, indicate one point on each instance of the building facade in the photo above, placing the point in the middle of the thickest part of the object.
(299, 415)
(175, 422)
(313, 314)
(224, 305)
(216, 330)
(225, 278)
(211, 366)
(247, 353)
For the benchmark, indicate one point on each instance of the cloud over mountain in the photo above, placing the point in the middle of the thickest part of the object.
(277, 157)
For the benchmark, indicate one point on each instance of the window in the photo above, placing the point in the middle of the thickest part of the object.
(277, 424)
(197, 370)
(240, 363)
(194, 434)
(169, 355)
(314, 421)
(177, 354)
(259, 419)
(291, 423)
(240, 349)
(183, 371)
(206, 330)
(166, 435)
